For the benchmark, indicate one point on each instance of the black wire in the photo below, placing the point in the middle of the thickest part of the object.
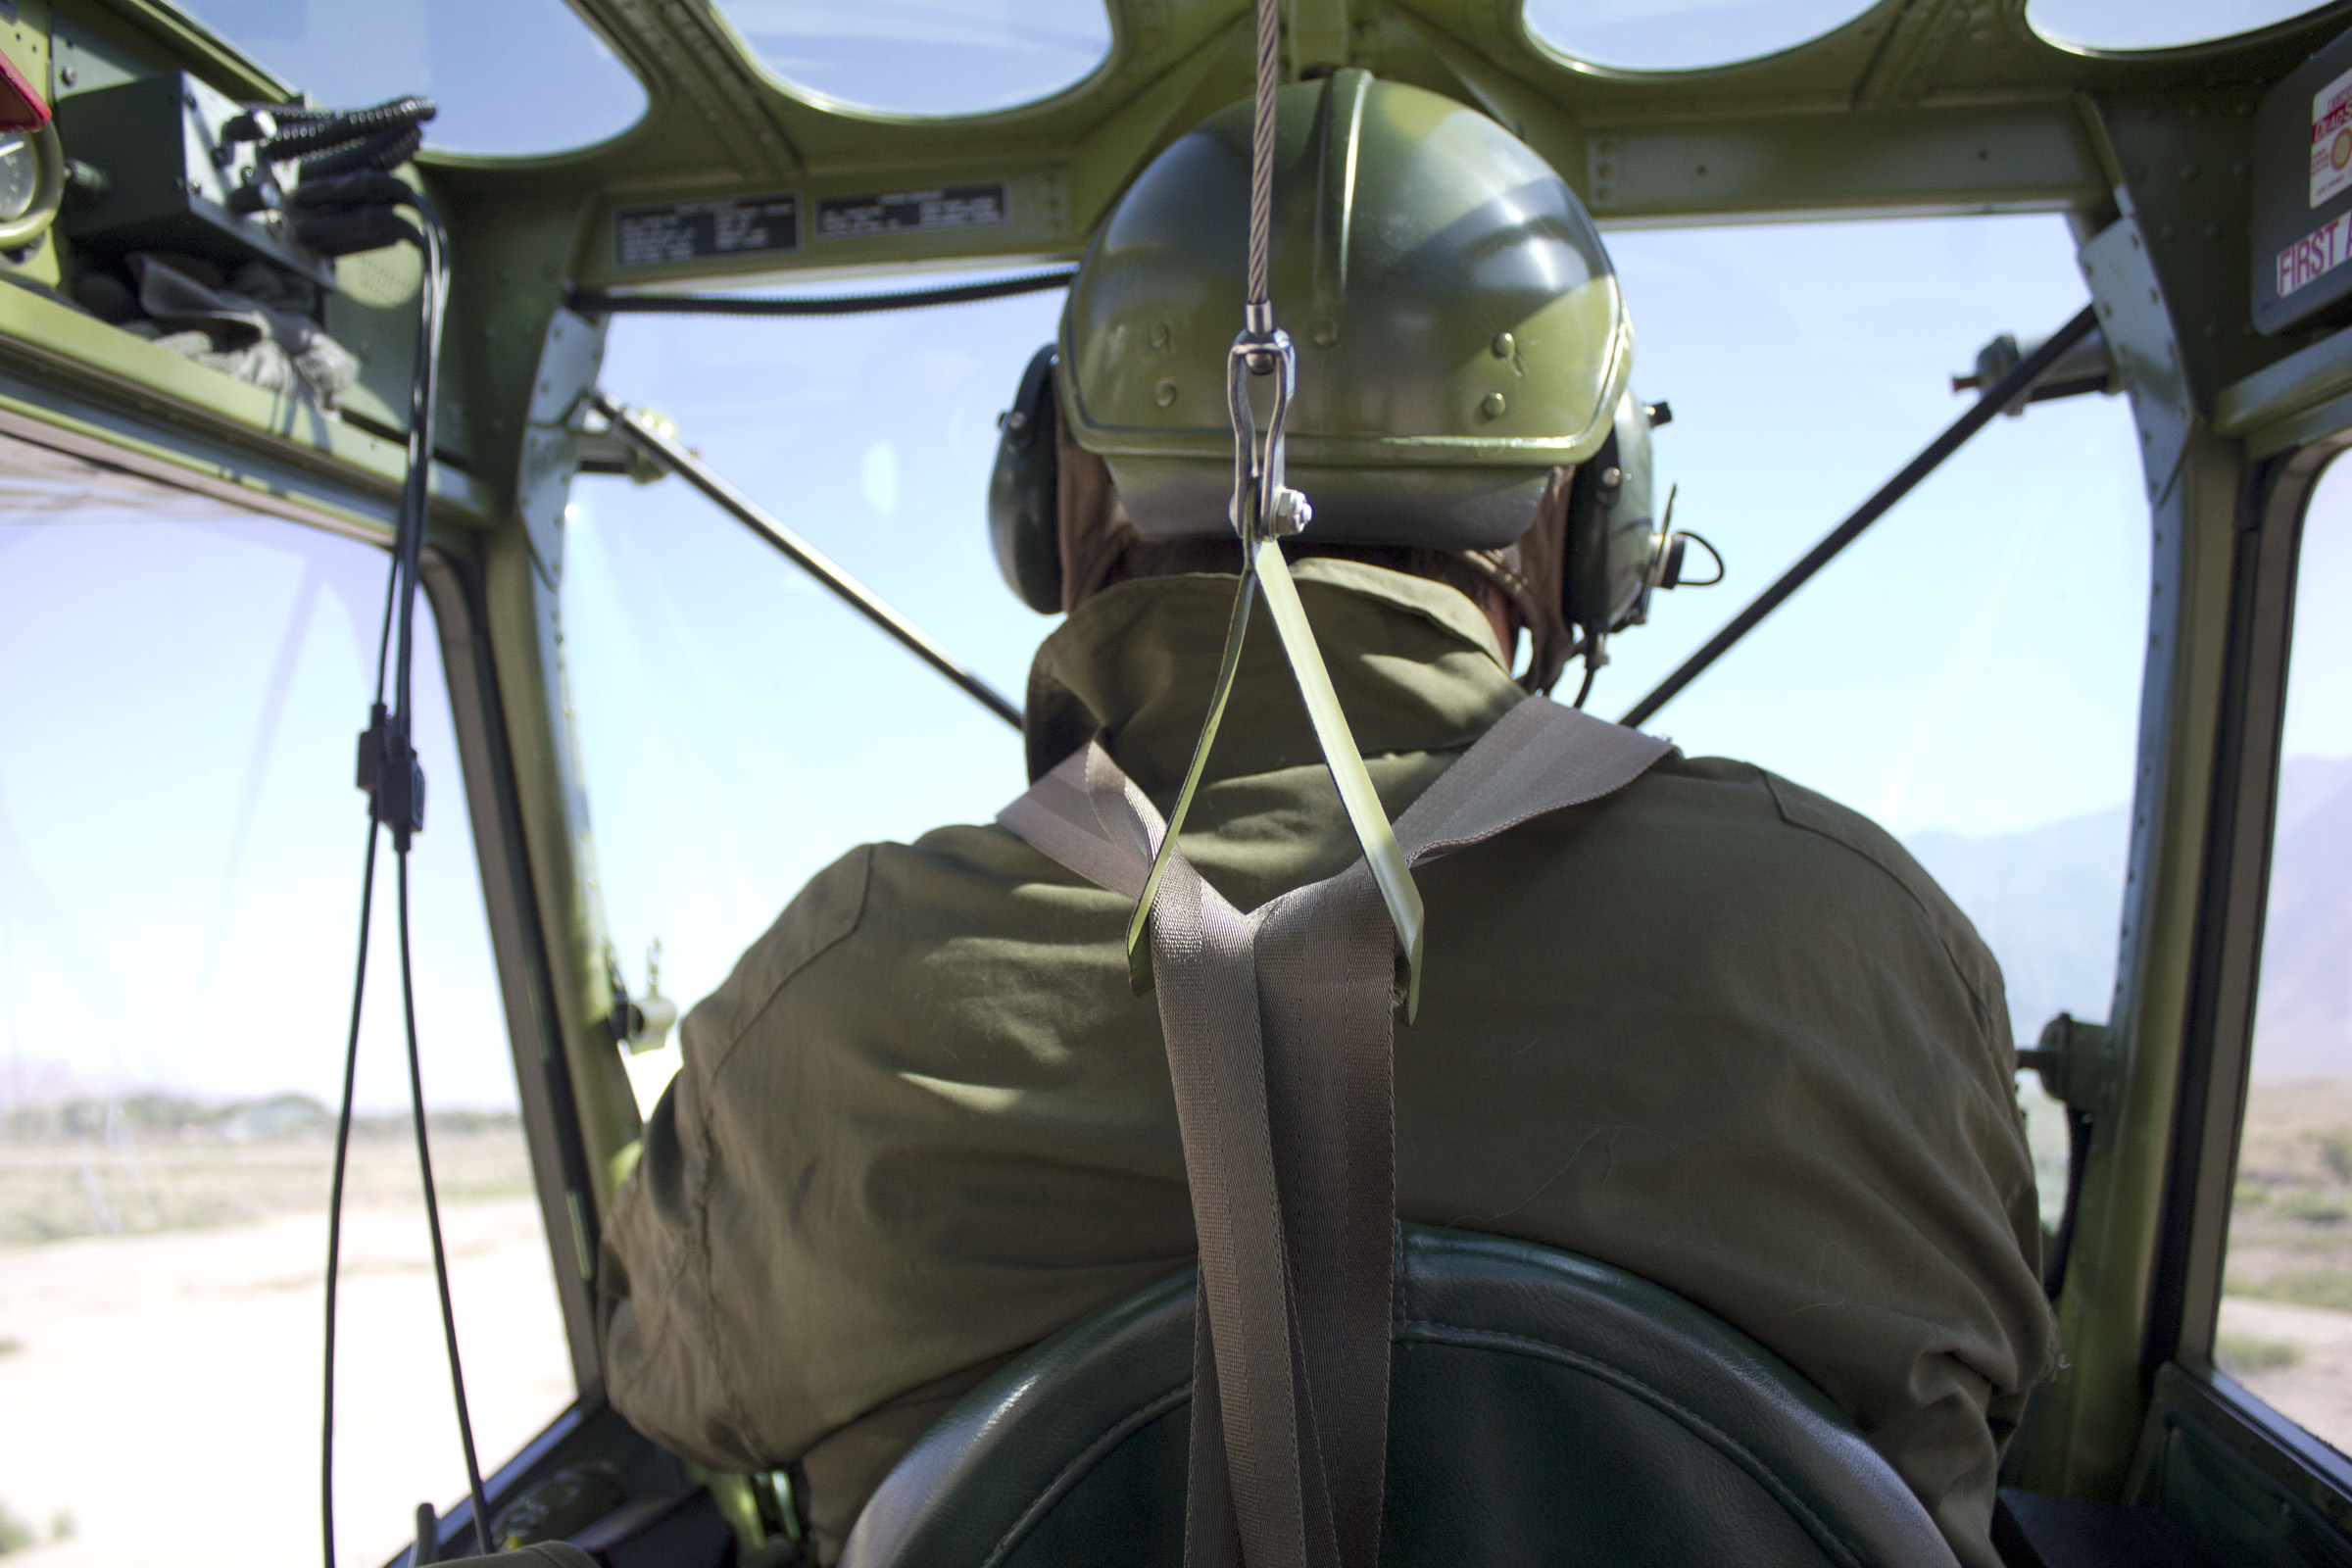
(995, 288)
(334, 1201)
(385, 150)
(395, 647)
(415, 488)
(1708, 546)
(308, 133)
(416, 495)
(432, 1214)
(1584, 687)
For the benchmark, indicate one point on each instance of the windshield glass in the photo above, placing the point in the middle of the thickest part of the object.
(1682, 34)
(2128, 24)
(926, 57)
(180, 845)
(2285, 1326)
(508, 77)
(740, 728)
(1968, 675)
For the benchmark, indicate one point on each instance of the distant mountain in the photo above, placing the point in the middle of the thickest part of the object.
(2049, 902)
(2303, 1018)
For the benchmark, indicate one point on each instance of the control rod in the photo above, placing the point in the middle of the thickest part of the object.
(2000, 395)
(632, 428)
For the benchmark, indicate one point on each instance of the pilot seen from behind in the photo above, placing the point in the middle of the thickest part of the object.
(1713, 1029)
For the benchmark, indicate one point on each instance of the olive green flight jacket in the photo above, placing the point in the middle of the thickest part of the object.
(1714, 1029)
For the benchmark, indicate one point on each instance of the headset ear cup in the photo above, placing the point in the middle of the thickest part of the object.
(1585, 584)
(1023, 491)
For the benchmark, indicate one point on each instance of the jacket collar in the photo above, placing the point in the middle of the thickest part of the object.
(1416, 666)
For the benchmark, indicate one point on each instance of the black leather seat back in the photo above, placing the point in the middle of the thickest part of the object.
(1544, 1409)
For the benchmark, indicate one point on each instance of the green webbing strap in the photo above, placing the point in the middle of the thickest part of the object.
(1382, 854)
(1281, 1019)
(1386, 859)
(1237, 629)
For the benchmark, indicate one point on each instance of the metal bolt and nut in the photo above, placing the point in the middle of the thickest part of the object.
(1293, 511)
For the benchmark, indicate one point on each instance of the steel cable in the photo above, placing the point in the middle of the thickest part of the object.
(1261, 162)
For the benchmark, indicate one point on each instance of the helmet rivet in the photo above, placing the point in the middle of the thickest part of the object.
(1326, 333)
(1165, 394)
(1493, 406)
(1160, 335)
(1501, 349)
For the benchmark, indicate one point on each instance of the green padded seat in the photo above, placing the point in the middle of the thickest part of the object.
(1544, 1409)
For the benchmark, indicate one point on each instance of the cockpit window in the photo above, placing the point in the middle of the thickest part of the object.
(180, 847)
(926, 57)
(2286, 1292)
(1682, 35)
(512, 78)
(740, 728)
(2131, 25)
(1968, 675)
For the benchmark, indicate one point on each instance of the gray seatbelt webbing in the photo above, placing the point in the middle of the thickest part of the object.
(1278, 1036)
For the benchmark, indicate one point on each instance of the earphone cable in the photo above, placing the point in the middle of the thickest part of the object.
(388, 771)
(334, 1205)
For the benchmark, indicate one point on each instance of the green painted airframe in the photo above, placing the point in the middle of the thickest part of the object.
(1915, 106)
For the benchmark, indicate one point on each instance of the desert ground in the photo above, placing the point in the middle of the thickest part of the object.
(2286, 1315)
(160, 1324)
(159, 1336)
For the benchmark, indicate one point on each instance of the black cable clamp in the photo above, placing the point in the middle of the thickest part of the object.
(392, 776)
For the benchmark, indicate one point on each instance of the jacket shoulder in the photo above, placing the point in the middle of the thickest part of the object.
(950, 880)
(1813, 812)
(827, 912)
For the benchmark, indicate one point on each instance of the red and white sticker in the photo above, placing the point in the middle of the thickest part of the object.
(2331, 138)
(2316, 255)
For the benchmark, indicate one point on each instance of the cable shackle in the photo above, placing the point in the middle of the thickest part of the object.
(1262, 504)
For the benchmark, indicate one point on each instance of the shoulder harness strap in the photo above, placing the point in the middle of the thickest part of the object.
(1279, 1027)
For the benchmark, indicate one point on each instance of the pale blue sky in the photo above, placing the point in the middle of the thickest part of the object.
(949, 57)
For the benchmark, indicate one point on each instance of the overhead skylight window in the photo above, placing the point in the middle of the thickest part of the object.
(926, 57)
(510, 76)
(2132, 25)
(1682, 35)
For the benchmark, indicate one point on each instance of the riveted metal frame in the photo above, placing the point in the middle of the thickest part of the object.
(2086, 1425)
(2218, 1044)
(2144, 1287)
(562, 1174)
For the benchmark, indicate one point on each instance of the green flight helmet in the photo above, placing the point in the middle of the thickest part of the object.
(1460, 332)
